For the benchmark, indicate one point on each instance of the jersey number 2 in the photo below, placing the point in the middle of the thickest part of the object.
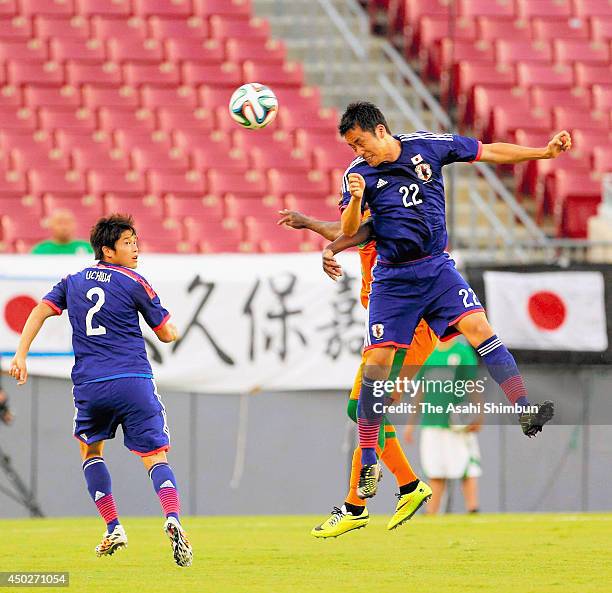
(99, 330)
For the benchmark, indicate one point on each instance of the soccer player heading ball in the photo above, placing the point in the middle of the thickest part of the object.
(113, 380)
(399, 178)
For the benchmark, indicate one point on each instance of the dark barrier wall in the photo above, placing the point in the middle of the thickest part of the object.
(475, 278)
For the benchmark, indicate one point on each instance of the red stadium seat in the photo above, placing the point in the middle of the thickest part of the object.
(33, 50)
(261, 228)
(504, 121)
(15, 28)
(548, 29)
(160, 96)
(474, 8)
(207, 157)
(50, 7)
(283, 242)
(37, 96)
(12, 183)
(568, 117)
(108, 27)
(308, 140)
(165, 182)
(127, 140)
(115, 182)
(178, 28)
(528, 9)
(544, 97)
(542, 75)
(318, 119)
(100, 158)
(332, 156)
(53, 118)
(8, 8)
(586, 8)
(29, 205)
(176, 8)
(109, 96)
(81, 50)
(147, 211)
(485, 98)
(61, 27)
(107, 74)
(37, 157)
(291, 74)
(296, 159)
(205, 229)
(135, 50)
(160, 244)
(69, 139)
(10, 96)
(601, 28)
(227, 74)
(207, 51)
(135, 73)
(271, 50)
(117, 118)
(222, 27)
(208, 8)
(577, 50)
(10, 139)
(144, 159)
(302, 98)
(415, 9)
(325, 208)
(521, 51)
(602, 95)
(250, 184)
(497, 28)
(602, 159)
(187, 139)
(213, 96)
(203, 207)
(526, 174)
(286, 181)
(173, 118)
(264, 207)
(86, 208)
(444, 53)
(21, 228)
(17, 118)
(223, 244)
(66, 182)
(267, 139)
(22, 72)
(116, 8)
(590, 74)
(435, 28)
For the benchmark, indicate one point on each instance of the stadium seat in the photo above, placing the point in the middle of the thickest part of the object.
(53, 118)
(601, 28)
(181, 28)
(81, 50)
(147, 159)
(504, 121)
(46, 27)
(49, 181)
(32, 50)
(568, 117)
(15, 28)
(176, 118)
(205, 229)
(291, 74)
(585, 140)
(587, 8)
(268, 139)
(444, 53)
(547, 29)
(136, 73)
(281, 242)
(115, 182)
(287, 181)
(21, 228)
(527, 9)
(206, 157)
(108, 27)
(30, 206)
(226, 27)
(207, 8)
(265, 207)
(100, 158)
(203, 207)
(107, 8)
(187, 139)
(10, 96)
(44, 96)
(590, 74)
(37, 157)
(126, 118)
(296, 159)
(329, 156)
(24, 72)
(176, 8)
(186, 183)
(49, 7)
(474, 8)
(602, 159)
(86, 208)
(498, 28)
(291, 118)
(135, 50)
(153, 244)
(485, 98)
(602, 95)
(585, 52)
(128, 140)
(12, 183)
(95, 96)
(323, 208)
(250, 184)
(303, 97)
(160, 96)
(260, 228)
(510, 51)
(213, 96)
(434, 28)
(207, 51)
(8, 8)
(271, 50)
(558, 75)
(17, 118)
(148, 210)
(69, 139)
(82, 73)
(544, 97)
(227, 74)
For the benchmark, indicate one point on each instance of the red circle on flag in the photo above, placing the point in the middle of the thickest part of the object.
(16, 311)
(547, 310)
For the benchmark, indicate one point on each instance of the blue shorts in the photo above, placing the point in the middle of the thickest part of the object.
(403, 294)
(131, 402)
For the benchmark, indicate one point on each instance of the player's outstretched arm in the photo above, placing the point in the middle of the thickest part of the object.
(330, 266)
(351, 217)
(297, 220)
(37, 317)
(167, 333)
(502, 153)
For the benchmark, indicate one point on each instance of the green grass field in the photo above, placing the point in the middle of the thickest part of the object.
(458, 554)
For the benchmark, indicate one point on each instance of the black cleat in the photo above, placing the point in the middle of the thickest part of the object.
(532, 422)
(368, 480)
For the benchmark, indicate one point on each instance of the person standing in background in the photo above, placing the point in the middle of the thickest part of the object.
(449, 451)
(63, 241)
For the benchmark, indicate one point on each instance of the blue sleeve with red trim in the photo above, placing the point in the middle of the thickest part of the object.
(56, 297)
(149, 305)
(460, 149)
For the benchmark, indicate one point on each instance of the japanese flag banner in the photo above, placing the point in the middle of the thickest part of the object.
(548, 310)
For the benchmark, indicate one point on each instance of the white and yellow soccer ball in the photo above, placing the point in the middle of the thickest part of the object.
(253, 105)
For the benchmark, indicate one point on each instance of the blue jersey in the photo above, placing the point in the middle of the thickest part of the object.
(103, 303)
(406, 197)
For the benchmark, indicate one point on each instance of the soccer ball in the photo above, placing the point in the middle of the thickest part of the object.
(253, 106)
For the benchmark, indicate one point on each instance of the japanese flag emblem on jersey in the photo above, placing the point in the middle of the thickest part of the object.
(423, 171)
(378, 329)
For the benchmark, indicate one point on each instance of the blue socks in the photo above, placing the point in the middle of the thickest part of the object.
(98, 481)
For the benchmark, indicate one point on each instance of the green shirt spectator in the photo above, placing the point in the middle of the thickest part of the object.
(62, 241)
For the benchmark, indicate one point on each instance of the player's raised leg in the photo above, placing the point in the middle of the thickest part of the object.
(504, 370)
(99, 486)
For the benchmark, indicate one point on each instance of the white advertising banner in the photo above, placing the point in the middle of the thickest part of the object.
(247, 322)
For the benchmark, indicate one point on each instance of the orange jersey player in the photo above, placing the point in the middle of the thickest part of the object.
(412, 492)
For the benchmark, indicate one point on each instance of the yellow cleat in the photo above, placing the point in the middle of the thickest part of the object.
(409, 504)
(341, 521)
